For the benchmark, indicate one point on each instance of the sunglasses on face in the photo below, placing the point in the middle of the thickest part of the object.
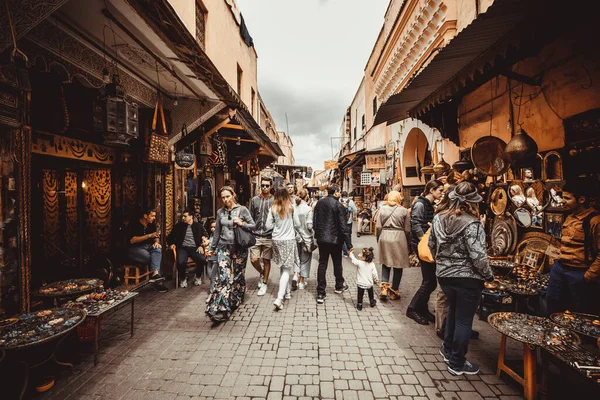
(229, 215)
(265, 186)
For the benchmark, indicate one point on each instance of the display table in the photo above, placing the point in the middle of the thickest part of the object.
(532, 332)
(31, 339)
(100, 308)
(68, 289)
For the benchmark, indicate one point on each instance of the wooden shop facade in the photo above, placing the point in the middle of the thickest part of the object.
(107, 108)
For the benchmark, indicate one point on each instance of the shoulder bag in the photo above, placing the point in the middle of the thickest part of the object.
(423, 247)
(243, 238)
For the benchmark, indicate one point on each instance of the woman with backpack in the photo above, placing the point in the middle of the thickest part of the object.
(391, 230)
(420, 218)
(284, 222)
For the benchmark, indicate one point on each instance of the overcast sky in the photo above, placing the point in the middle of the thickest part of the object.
(311, 58)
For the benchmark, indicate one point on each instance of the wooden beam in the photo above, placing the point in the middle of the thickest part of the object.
(250, 156)
(241, 140)
(235, 127)
(214, 123)
(216, 128)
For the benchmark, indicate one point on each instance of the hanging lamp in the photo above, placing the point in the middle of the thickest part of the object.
(521, 150)
(442, 166)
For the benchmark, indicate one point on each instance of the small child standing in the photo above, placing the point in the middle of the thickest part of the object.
(366, 276)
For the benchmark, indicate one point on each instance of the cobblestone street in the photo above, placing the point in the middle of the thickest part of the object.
(303, 351)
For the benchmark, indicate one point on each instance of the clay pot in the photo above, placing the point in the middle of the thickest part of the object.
(521, 151)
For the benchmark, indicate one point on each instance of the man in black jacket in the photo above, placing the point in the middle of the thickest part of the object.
(186, 239)
(331, 232)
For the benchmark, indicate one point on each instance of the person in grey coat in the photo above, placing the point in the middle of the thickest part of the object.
(392, 228)
(305, 239)
(457, 243)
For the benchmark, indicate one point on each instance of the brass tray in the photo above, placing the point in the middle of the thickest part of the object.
(537, 331)
(487, 155)
(578, 322)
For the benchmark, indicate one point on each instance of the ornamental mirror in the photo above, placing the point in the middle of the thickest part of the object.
(553, 169)
(523, 217)
(516, 193)
(498, 201)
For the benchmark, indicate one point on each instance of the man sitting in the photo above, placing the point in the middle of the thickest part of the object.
(187, 239)
(145, 248)
(364, 220)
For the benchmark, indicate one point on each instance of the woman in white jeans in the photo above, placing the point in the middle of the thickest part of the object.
(284, 223)
(305, 239)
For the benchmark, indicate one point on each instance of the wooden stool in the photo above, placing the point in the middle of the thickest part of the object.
(529, 380)
(134, 272)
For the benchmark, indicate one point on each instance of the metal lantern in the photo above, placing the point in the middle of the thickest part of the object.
(441, 167)
(521, 151)
(115, 117)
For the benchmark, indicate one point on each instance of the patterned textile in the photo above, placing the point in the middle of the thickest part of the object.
(230, 284)
(285, 253)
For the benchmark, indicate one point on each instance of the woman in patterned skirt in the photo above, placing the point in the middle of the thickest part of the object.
(285, 223)
(230, 280)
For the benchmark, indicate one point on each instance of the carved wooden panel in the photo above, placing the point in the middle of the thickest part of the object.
(98, 210)
(71, 214)
(130, 203)
(51, 214)
(169, 200)
(60, 146)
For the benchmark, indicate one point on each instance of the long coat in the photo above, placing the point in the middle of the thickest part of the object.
(392, 243)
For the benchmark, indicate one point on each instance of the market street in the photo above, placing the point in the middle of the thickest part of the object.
(304, 351)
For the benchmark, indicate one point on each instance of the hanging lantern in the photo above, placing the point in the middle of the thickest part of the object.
(521, 150)
(441, 167)
(115, 117)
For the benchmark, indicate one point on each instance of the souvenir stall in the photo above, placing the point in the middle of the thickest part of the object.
(522, 104)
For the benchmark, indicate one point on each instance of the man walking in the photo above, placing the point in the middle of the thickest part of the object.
(332, 232)
(186, 239)
(262, 250)
(292, 192)
(351, 210)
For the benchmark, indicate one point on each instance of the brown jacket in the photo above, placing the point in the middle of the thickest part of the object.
(572, 246)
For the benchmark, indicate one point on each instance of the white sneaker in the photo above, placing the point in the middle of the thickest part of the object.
(183, 284)
(197, 281)
(278, 304)
(261, 281)
(287, 296)
(262, 291)
(301, 285)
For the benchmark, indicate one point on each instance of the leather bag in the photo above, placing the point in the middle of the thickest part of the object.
(185, 158)
(423, 248)
(158, 150)
(243, 238)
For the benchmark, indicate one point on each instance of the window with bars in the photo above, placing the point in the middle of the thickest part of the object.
(200, 25)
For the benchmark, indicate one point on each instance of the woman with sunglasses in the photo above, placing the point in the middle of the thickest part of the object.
(230, 280)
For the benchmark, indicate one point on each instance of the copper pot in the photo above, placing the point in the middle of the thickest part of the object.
(441, 167)
(463, 165)
(427, 170)
(521, 151)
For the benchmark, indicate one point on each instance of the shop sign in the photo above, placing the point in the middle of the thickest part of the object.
(375, 161)
(365, 178)
(331, 164)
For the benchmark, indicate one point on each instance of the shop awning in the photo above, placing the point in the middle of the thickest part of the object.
(483, 33)
(377, 150)
(357, 160)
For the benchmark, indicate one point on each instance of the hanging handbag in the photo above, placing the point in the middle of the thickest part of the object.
(185, 158)
(158, 150)
(243, 238)
(423, 247)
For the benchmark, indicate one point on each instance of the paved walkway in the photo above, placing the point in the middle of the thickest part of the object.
(304, 351)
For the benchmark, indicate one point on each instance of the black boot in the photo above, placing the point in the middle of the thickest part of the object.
(415, 316)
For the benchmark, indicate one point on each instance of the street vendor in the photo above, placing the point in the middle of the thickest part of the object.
(575, 276)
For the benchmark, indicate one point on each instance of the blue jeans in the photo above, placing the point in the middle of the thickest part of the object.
(459, 322)
(568, 290)
(183, 253)
(345, 248)
(146, 254)
(387, 271)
